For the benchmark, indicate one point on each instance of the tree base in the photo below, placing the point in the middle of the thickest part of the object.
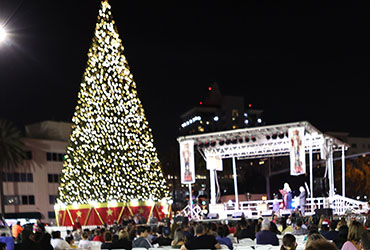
(107, 213)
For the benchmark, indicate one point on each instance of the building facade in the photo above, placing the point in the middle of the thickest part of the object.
(219, 113)
(31, 189)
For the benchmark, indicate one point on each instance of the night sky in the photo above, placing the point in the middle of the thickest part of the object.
(296, 62)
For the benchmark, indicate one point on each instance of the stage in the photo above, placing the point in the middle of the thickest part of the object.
(338, 205)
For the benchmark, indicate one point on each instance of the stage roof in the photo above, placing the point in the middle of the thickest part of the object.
(257, 142)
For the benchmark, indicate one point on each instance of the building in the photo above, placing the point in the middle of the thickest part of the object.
(31, 189)
(358, 145)
(219, 113)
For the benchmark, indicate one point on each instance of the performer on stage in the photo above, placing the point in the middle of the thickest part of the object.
(302, 200)
(286, 192)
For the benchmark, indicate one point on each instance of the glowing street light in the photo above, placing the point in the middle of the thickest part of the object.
(3, 34)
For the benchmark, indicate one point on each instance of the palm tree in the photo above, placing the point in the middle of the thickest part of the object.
(11, 153)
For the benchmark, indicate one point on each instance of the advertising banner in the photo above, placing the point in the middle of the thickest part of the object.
(214, 163)
(187, 162)
(297, 151)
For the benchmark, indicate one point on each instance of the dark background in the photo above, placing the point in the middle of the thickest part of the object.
(296, 62)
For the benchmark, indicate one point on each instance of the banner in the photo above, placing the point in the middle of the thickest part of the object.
(187, 162)
(297, 151)
(214, 163)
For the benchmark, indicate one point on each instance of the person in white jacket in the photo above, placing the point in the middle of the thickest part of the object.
(57, 242)
(85, 243)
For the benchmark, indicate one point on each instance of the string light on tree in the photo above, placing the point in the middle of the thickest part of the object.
(111, 154)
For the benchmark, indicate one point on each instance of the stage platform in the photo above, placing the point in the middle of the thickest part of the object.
(255, 209)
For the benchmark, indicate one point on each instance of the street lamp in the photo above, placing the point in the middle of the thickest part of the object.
(3, 34)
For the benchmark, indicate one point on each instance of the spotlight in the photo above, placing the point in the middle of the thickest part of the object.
(206, 144)
(228, 141)
(268, 137)
(240, 140)
(286, 134)
(246, 139)
(253, 138)
(281, 135)
(201, 145)
(222, 142)
(213, 143)
(274, 136)
(234, 141)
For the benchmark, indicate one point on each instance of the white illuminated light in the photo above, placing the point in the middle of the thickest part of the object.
(259, 120)
(246, 122)
(3, 34)
(215, 118)
(191, 121)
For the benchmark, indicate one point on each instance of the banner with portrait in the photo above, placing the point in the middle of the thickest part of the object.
(187, 162)
(297, 151)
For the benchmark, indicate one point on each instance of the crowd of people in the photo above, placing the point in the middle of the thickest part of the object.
(343, 233)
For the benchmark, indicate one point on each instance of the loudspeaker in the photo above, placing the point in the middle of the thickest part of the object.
(213, 216)
(324, 211)
(267, 213)
(285, 211)
(238, 215)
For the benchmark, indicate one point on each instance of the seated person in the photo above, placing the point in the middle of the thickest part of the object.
(202, 241)
(265, 236)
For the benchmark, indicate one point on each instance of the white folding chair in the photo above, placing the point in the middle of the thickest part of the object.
(243, 248)
(263, 247)
(96, 245)
(247, 242)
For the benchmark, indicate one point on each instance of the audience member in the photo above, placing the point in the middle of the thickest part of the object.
(107, 241)
(265, 237)
(202, 241)
(178, 239)
(332, 234)
(321, 244)
(141, 240)
(246, 230)
(365, 240)
(288, 242)
(123, 241)
(57, 242)
(17, 229)
(299, 230)
(354, 236)
(85, 243)
(342, 236)
(222, 238)
(164, 239)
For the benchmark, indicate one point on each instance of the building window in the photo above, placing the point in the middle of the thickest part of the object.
(53, 178)
(52, 199)
(354, 145)
(60, 157)
(29, 177)
(28, 200)
(48, 156)
(51, 215)
(52, 156)
(11, 200)
(28, 155)
(18, 177)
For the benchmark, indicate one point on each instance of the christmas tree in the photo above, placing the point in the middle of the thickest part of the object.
(110, 155)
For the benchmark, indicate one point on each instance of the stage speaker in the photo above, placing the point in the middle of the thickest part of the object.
(267, 213)
(324, 211)
(238, 215)
(213, 216)
(285, 212)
